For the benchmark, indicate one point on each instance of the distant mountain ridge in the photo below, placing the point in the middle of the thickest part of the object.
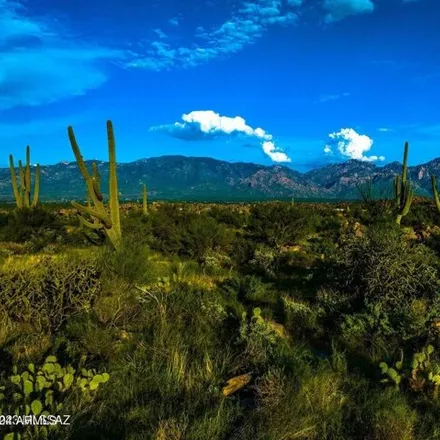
(204, 178)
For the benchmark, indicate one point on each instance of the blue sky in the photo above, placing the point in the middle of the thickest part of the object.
(297, 82)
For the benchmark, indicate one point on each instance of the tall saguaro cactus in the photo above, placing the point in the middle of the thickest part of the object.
(22, 193)
(402, 189)
(106, 219)
(144, 200)
(435, 192)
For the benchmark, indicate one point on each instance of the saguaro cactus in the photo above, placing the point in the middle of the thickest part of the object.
(97, 187)
(144, 200)
(435, 192)
(106, 219)
(402, 190)
(22, 193)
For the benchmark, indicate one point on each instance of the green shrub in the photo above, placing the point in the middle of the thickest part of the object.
(4, 216)
(45, 240)
(333, 301)
(278, 224)
(245, 288)
(299, 315)
(264, 261)
(130, 262)
(388, 285)
(242, 252)
(203, 234)
(188, 234)
(230, 217)
(214, 262)
(166, 224)
(27, 222)
(433, 243)
(84, 335)
(423, 212)
(137, 224)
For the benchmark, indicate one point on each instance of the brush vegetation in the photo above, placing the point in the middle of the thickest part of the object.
(178, 321)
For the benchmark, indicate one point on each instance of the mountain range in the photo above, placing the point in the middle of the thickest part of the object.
(207, 179)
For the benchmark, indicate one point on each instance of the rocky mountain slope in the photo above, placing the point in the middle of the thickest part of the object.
(199, 178)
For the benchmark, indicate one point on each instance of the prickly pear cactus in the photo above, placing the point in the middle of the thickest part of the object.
(394, 375)
(43, 392)
(422, 374)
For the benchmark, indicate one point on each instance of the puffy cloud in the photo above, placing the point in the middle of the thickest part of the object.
(277, 156)
(352, 145)
(340, 9)
(206, 124)
(211, 122)
(40, 64)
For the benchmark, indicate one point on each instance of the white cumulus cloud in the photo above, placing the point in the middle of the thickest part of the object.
(352, 145)
(277, 156)
(205, 124)
(210, 121)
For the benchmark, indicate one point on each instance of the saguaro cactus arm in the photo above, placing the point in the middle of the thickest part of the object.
(36, 187)
(21, 172)
(27, 175)
(97, 182)
(99, 208)
(405, 162)
(407, 200)
(113, 180)
(15, 189)
(105, 219)
(79, 159)
(397, 190)
(94, 225)
(402, 189)
(435, 192)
